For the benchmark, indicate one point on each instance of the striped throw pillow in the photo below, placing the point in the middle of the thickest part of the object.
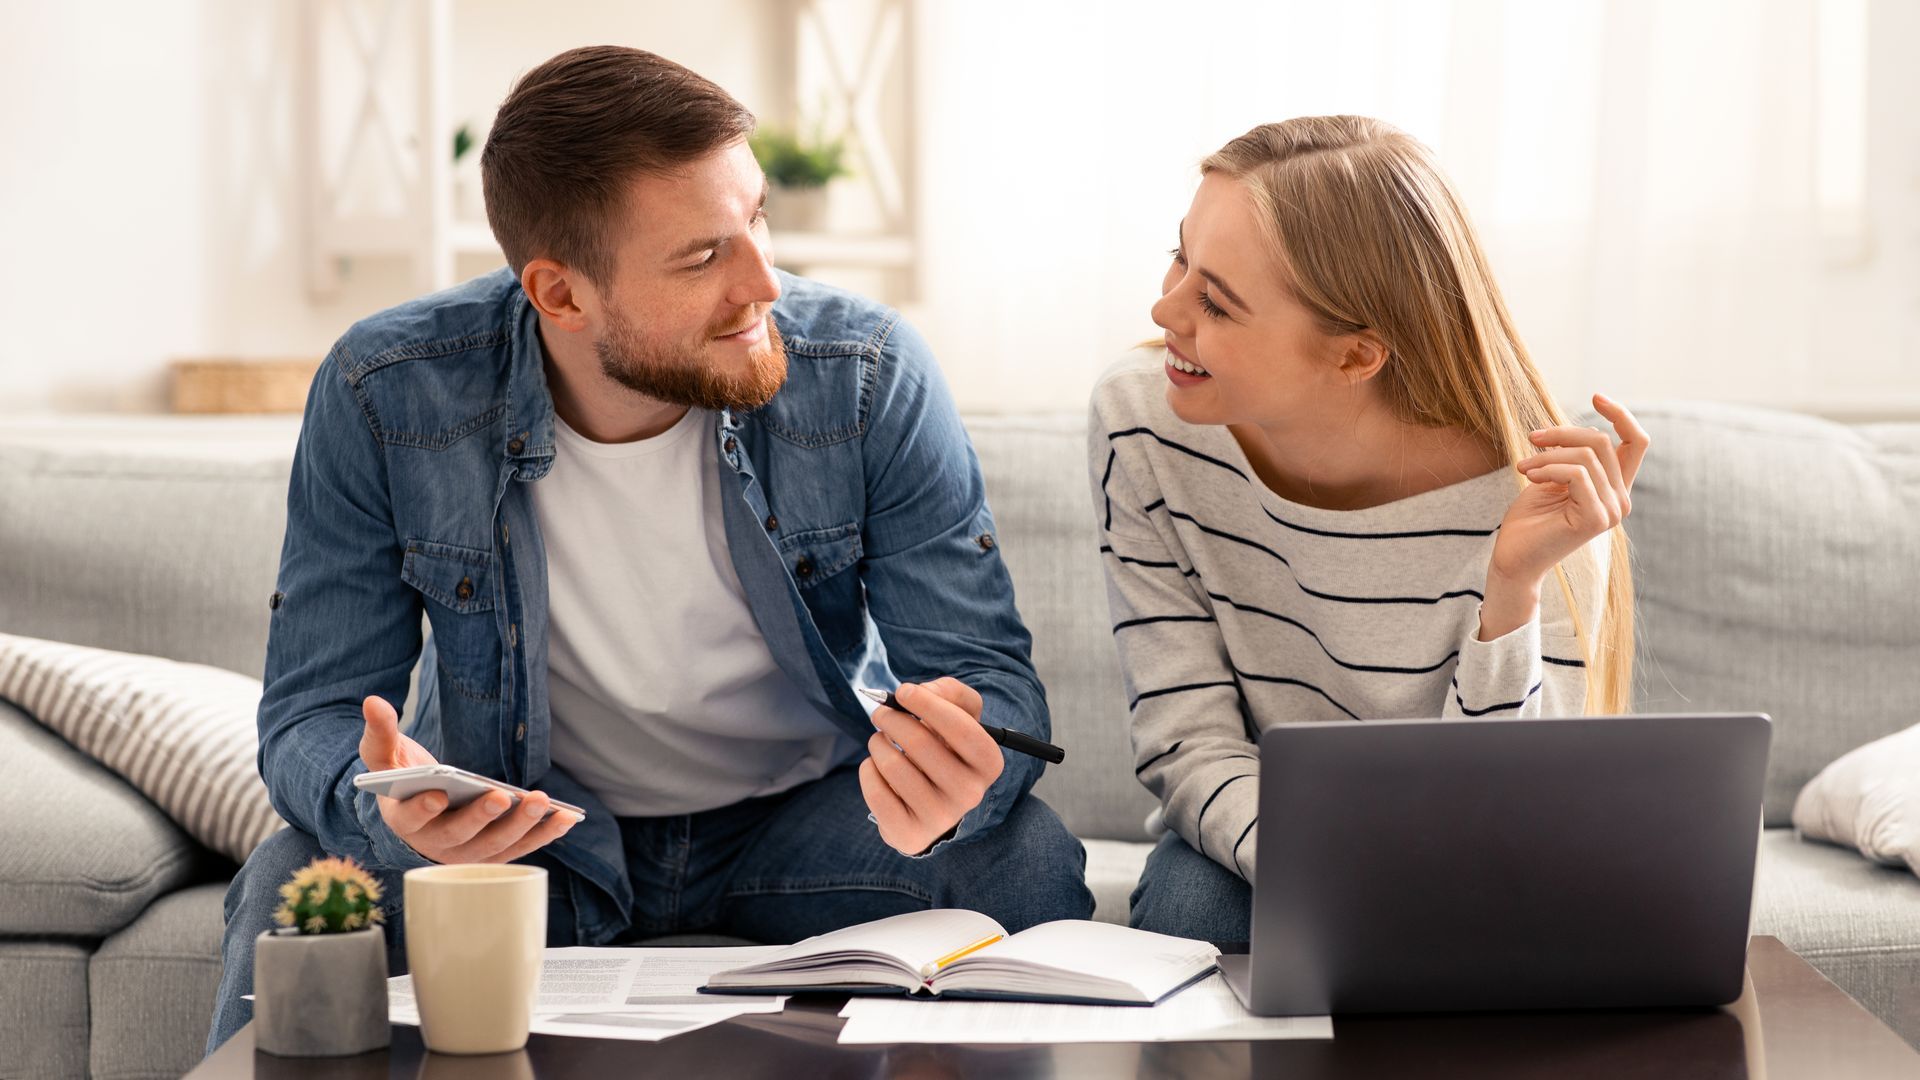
(183, 734)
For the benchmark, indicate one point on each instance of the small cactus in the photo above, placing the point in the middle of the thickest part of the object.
(330, 896)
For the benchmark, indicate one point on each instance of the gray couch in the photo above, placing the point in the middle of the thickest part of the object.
(1777, 558)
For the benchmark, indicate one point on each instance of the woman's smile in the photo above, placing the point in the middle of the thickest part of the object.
(1182, 371)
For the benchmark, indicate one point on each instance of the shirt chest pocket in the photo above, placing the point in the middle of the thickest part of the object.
(823, 563)
(457, 586)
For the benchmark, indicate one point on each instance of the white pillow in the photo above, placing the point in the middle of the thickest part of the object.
(1869, 799)
(183, 734)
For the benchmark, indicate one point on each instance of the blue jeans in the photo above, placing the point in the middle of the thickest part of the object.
(773, 869)
(1186, 894)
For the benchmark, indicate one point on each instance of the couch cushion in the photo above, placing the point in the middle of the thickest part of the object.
(1868, 800)
(1857, 921)
(81, 853)
(152, 986)
(43, 997)
(167, 554)
(1036, 476)
(1113, 869)
(1776, 561)
(183, 734)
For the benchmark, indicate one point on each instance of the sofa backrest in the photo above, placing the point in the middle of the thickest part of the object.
(1036, 473)
(173, 551)
(165, 552)
(1777, 560)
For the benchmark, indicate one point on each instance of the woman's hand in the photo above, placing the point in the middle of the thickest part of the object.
(1581, 485)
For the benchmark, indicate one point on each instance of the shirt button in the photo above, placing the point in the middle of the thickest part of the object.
(985, 540)
(520, 733)
(730, 445)
(464, 590)
(772, 523)
(516, 444)
(273, 602)
(804, 568)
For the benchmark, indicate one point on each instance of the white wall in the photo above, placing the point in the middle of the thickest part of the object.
(147, 193)
(102, 211)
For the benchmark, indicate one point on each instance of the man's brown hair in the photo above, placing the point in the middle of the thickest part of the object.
(574, 133)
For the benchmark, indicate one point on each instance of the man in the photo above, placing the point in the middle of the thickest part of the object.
(663, 507)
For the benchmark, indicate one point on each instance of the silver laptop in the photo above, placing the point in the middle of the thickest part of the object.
(1421, 865)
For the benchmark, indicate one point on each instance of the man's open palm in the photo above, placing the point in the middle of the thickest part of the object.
(481, 831)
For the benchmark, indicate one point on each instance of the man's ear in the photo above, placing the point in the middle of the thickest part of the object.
(1362, 356)
(557, 293)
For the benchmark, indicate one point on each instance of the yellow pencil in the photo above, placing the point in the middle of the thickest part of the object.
(927, 971)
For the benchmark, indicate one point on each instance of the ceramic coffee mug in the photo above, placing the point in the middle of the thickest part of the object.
(475, 936)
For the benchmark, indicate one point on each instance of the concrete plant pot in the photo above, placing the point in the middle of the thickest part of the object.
(796, 210)
(320, 995)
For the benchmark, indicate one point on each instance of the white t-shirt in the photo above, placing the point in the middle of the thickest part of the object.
(665, 698)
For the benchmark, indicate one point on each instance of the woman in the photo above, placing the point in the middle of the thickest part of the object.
(1340, 491)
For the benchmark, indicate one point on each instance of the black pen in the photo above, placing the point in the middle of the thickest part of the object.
(1012, 740)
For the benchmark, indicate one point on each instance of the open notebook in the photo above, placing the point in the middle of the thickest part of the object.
(964, 954)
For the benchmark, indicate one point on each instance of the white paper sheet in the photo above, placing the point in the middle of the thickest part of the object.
(640, 994)
(1204, 1011)
(632, 1026)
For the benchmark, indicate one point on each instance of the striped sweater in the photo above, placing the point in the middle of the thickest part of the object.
(1235, 610)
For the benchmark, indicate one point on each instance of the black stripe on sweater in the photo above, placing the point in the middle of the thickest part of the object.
(1142, 767)
(1105, 550)
(1279, 679)
(1278, 520)
(1199, 823)
(1417, 534)
(1564, 663)
(1284, 681)
(1224, 535)
(1242, 840)
(1123, 624)
(1104, 477)
(1375, 668)
(1171, 445)
(1181, 689)
(1491, 708)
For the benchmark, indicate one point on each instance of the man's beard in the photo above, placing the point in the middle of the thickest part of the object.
(682, 374)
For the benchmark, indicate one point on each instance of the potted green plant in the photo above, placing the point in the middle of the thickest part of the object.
(467, 204)
(320, 980)
(798, 169)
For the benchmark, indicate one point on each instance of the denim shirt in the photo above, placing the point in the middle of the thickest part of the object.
(853, 502)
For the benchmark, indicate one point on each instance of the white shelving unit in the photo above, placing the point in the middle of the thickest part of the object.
(853, 86)
(473, 238)
(800, 250)
(398, 57)
(415, 172)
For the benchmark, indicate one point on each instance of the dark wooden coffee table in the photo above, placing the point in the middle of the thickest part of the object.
(1791, 1023)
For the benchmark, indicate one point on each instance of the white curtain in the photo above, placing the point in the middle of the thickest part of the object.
(1672, 192)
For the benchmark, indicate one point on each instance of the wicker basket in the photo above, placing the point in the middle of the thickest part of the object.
(241, 386)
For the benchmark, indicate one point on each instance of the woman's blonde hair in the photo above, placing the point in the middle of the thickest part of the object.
(1374, 237)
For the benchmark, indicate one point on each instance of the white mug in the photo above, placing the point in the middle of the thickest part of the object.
(475, 937)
